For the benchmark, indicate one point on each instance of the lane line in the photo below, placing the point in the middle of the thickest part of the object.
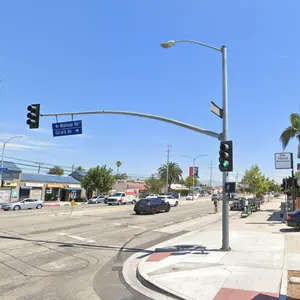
(169, 223)
(117, 224)
(79, 238)
(137, 227)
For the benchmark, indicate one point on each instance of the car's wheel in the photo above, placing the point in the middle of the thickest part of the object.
(153, 211)
(17, 207)
(168, 209)
(138, 212)
(176, 203)
(39, 206)
(120, 203)
(109, 203)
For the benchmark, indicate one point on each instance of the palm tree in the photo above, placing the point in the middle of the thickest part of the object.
(79, 168)
(293, 131)
(56, 170)
(118, 164)
(175, 173)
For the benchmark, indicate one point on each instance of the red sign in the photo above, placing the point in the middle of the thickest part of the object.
(191, 172)
(194, 173)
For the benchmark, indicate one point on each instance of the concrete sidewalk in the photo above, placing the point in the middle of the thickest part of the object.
(255, 268)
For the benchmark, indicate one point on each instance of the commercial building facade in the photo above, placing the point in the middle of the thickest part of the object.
(50, 187)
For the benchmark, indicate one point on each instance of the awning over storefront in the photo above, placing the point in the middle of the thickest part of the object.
(140, 187)
(25, 187)
(50, 186)
(74, 189)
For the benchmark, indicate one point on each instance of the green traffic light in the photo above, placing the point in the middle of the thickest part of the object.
(225, 164)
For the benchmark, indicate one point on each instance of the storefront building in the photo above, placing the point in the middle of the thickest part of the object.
(50, 187)
(9, 187)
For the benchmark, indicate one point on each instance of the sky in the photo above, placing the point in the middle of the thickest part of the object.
(106, 55)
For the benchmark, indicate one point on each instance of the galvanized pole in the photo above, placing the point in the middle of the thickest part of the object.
(193, 178)
(225, 210)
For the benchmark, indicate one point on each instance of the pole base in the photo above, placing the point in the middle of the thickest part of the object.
(225, 249)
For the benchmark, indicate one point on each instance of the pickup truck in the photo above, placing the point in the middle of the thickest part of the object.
(120, 198)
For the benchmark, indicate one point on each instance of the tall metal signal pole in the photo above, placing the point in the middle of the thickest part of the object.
(167, 173)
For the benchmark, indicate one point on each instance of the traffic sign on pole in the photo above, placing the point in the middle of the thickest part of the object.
(67, 128)
(3, 169)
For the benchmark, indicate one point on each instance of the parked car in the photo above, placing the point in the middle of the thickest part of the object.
(190, 197)
(27, 203)
(97, 199)
(216, 196)
(293, 219)
(151, 205)
(173, 201)
(174, 194)
(152, 196)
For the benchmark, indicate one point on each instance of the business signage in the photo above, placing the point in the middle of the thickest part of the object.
(284, 160)
(194, 171)
(32, 184)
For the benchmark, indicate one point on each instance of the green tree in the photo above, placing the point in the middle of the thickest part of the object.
(118, 164)
(297, 175)
(175, 173)
(254, 179)
(154, 184)
(122, 176)
(293, 131)
(189, 182)
(79, 168)
(56, 170)
(98, 179)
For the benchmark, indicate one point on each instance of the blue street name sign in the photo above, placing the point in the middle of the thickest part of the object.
(67, 128)
(3, 169)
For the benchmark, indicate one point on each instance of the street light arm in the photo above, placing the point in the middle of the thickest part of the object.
(200, 156)
(17, 136)
(199, 43)
(187, 156)
(142, 115)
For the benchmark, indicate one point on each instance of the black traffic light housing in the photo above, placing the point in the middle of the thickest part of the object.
(226, 159)
(33, 116)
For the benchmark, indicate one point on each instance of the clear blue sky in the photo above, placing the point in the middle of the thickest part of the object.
(93, 55)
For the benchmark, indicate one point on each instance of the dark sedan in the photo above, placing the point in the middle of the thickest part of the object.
(151, 206)
(293, 219)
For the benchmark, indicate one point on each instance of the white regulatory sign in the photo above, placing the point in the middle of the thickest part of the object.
(283, 160)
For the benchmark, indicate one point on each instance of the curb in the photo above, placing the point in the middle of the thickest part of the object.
(61, 204)
(152, 284)
(283, 286)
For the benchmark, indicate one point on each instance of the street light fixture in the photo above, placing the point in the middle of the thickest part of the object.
(224, 135)
(3, 148)
(194, 161)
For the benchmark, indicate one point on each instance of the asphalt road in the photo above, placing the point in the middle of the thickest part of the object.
(53, 254)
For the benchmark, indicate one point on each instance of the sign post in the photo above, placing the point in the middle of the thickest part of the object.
(284, 160)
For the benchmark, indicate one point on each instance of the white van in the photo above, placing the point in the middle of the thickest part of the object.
(120, 198)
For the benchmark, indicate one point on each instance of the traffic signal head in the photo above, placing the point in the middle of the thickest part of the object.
(33, 116)
(226, 159)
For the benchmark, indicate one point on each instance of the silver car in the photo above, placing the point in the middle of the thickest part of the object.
(23, 204)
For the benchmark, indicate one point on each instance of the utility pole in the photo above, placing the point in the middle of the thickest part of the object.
(39, 167)
(237, 177)
(210, 178)
(167, 173)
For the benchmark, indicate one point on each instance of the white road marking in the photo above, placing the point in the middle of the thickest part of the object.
(117, 224)
(169, 223)
(79, 238)
(54, 265)
(137, 227)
